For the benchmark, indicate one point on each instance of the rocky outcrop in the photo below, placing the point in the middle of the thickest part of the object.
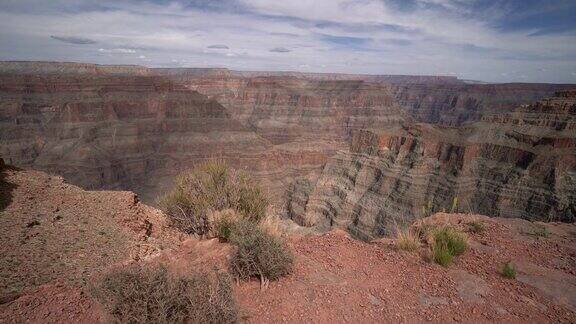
(520, 164)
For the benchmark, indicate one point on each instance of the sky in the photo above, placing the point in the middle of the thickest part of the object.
(486, 40)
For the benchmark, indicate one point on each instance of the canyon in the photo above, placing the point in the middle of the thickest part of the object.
(363, 153)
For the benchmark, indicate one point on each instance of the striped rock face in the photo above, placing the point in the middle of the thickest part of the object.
(358, 152)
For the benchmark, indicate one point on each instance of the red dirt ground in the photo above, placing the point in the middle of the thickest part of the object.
(336, 279)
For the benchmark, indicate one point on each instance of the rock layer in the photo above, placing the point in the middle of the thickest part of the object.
(131, 132)
(520, 164)
(134, 128)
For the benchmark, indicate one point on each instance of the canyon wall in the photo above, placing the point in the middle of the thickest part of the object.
(366, 153)
(458, 104)
(130, 132)
(441, 100)
(520, 164)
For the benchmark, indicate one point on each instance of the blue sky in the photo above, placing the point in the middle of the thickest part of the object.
(488, 40)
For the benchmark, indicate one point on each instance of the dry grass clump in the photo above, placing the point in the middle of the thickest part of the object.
(508, 271)
(212, 186)
(540, 231)
(258, 254)
(408, 239)
(152, 295)
(476, 227)
(448, 243)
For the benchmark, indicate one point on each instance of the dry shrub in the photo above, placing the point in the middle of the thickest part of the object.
(209, 187)
(476, 227)
(152, 295)
(408, 239)
(258, 254)
(448, 243)
(271, 224)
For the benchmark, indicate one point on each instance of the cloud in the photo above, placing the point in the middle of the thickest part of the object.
(73, 40)
(117, 50)
(280, 50)
(477, 39)
(218, 46)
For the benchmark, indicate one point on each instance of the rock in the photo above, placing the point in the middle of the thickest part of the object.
(472, 289)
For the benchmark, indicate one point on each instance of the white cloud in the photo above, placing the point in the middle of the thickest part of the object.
(321, 35)
(116, 50)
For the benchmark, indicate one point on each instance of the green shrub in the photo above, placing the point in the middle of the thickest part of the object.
(212, 186)
(508, 271)
(152, 295)
(448, 243)
(225, 225)
(442, 255)
(476, 227)
(258, 254)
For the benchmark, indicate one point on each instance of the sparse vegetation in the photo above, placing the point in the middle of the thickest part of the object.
(212, 186)
(408, 239)
(540, 231)
(214, 200)
(430, 209)
(258, 254)
(152, 295)
(508, 271)
(476, 227)
(454, 206)
(448, 243)
(224, 224)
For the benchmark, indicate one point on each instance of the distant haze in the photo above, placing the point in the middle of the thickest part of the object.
(487, 40)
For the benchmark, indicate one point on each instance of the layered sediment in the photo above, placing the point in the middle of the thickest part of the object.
(362, 152)
(520, 164)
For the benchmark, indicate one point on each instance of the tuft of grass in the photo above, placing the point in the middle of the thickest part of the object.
(540, 231)
(408, 239)
(448, 243)
(476, 227)
(258, 254)
(139, 294)
(508, 271)
(211, 187)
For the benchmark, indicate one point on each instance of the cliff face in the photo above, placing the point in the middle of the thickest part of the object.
(520, 164)
(331, 151)
(56, 68)
(131, 132)
(113, 132)
(458, 104)
(288, 109)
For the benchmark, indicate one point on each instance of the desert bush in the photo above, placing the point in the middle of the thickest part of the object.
(224, 224)
(508, 271)
(476, 227)
(408, 239)
(212, 186)
(152, 295)
(448, 243)
(258, 254)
